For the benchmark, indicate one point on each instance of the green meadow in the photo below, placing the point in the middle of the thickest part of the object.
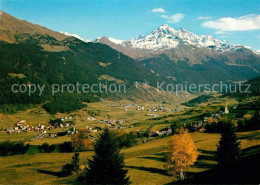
(145, 162)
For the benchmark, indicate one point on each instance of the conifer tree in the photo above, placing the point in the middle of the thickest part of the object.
(75, 162)
(107, 164)
(228, 149)
(255, 121)
(73, 167)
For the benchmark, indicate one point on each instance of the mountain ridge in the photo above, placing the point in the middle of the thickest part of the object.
(167, 38)
(11, 26)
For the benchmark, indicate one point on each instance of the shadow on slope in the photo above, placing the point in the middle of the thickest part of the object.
(246, 170)
(57, 174)
(149, 169)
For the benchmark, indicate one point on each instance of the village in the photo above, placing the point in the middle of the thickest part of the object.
(68, 122)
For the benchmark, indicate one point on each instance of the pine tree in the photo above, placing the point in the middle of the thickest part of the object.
(73, 167)
(75, 162)
(228, 149)
(107, 164)
(255, 121)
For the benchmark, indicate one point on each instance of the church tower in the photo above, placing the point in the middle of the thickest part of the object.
(226, 109)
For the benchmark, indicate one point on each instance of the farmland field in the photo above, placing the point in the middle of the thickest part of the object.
(145, 162)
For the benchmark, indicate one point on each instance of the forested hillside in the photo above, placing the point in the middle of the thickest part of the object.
(86, 63)
(209, 72)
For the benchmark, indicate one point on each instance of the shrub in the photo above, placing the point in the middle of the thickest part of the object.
(67, 170)
(5, 148)
(249, 124)
(46, 148)
(12, 148)
(213, 127)
(19, 148)
(62, 133)
(65, 147)
(127, 139)
(175, 127)
(191, 127)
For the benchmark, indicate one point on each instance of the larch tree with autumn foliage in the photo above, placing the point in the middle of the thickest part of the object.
(182, 153)
(78, 140)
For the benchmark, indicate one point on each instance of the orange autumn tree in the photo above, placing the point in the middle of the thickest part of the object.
(182, 153)
(88, 144)
(77, 140)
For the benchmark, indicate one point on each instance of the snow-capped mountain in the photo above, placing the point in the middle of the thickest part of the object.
(166, 37)
(166, 51)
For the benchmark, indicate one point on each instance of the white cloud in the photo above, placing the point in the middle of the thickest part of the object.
(243, 23)
(74, 35)
(173, 18)
(158, 10)
(221, 32)
(204, 18)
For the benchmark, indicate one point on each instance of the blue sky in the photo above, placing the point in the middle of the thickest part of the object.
(236, 21)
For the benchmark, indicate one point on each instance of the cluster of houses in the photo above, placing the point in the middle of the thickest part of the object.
(213, 118)
(109, 125)
(130, 105)
(114, 105)
(163, 132)
(91, 118)
(66, 118)
(89, 130)
(112, 122)
(162, 108)
(121, 126)
(126, 106)
(21, 126)
(62, 122)
(152, 115)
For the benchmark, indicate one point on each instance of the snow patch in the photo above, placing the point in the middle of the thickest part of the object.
(116, 41)
(74, 35)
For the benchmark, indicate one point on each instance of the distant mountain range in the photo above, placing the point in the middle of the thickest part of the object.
(184, 56)
(30, 53)
(166, 37)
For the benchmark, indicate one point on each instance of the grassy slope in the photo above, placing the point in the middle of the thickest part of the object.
(145, 162)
